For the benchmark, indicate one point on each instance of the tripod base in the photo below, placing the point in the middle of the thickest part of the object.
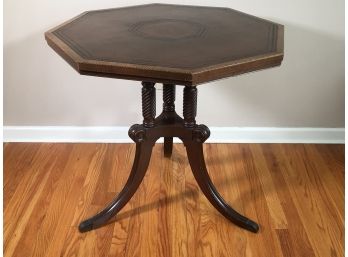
(168, 125)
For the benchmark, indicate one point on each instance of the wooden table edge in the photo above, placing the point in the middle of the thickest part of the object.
(190, 77)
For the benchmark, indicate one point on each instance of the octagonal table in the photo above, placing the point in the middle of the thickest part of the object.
(173, 45)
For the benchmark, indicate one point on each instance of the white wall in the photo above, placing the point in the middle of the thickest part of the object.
(40, 89)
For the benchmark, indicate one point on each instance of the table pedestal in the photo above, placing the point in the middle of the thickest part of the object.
(168, 125)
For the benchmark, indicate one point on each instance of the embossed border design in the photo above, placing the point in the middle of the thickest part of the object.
(200, 29)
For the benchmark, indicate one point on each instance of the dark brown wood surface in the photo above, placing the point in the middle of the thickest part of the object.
(168, 125)
(184, 45)
(295, 191)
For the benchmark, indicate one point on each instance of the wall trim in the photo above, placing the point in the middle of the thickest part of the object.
(218, 134)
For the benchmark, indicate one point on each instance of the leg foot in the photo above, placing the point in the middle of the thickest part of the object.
(196, 159)
(168, 146)
(141, 162)
(86, 226)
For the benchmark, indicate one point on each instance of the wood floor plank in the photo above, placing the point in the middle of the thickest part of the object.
(150, 193)
(333, 192)
(90, 186)
(100, 167)
(132, 247)
(257, 198)
(207, 232)
(333, 156)
(192, 198)
(118, 179)
(92, 167)
(165, 241)
(34, 225)
(295, 192)
(20, 224)
(273, 203)
(287, 243)
(16, 170)
(18, 211)
(295, 236)
(60, 211)
(313, 212)
(224, 168)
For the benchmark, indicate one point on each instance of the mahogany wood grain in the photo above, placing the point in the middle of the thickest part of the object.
(294, 191)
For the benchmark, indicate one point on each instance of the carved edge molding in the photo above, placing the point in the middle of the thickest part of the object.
(137, 133)
(200, 133)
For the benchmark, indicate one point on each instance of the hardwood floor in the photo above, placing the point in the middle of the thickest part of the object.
(295, 192)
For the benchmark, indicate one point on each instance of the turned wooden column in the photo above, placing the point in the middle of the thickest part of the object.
(168, 107)
(148, 97)
(190, 106)
(168, 97)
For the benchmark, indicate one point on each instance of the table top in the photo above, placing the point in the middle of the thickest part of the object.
(184, 45)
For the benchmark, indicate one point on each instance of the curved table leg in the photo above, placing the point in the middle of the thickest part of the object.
(168, 146)
(141, 162)
(196, 159)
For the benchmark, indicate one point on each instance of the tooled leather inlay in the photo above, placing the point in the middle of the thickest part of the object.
(168, 29)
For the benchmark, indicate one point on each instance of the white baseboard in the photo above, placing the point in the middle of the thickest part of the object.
(218, 134)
